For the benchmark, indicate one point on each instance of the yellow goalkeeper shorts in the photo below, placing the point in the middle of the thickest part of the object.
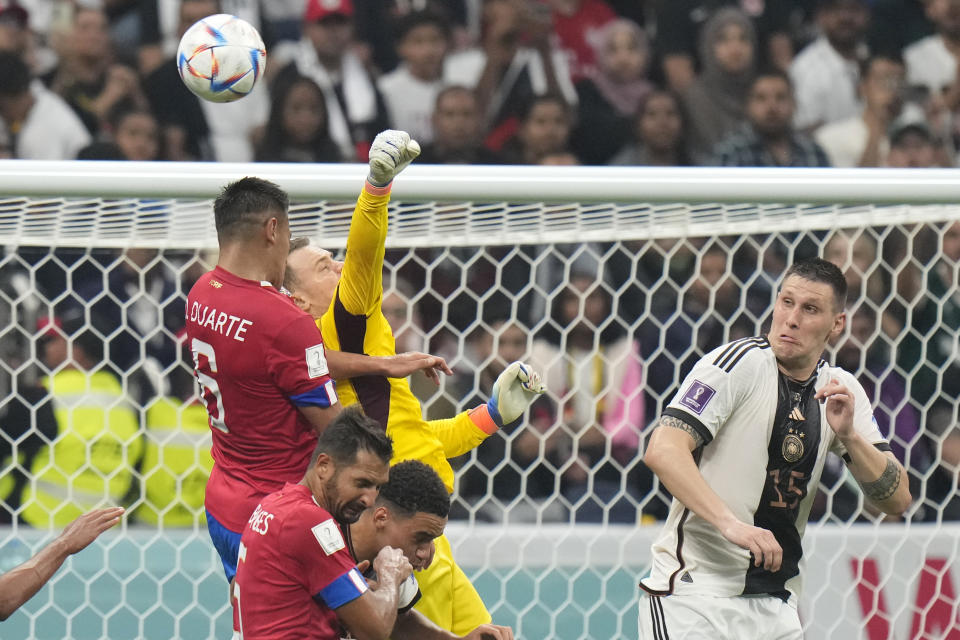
(447, 596)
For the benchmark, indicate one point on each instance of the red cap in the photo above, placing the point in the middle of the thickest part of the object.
(319, 9)
(48, 327)
(11, 11)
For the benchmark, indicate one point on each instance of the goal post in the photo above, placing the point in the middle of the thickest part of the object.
(612, 281)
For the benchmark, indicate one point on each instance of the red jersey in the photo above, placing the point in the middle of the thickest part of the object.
(257, 358)
(579, 35)
(294, 570)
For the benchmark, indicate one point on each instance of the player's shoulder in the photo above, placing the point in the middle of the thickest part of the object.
(740, 356)
(827, 372)
(307, 523)
(204, 283)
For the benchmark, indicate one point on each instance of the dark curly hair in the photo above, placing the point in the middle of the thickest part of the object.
(415, 487)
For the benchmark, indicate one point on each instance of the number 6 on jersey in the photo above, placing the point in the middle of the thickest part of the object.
(211, 390)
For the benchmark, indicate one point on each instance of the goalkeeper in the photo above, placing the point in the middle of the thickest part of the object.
(346, 298)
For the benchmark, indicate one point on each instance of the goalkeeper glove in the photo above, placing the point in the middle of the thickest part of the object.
(516, 387)
(390, 153)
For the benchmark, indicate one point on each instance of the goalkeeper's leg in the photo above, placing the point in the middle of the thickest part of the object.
(449, 599)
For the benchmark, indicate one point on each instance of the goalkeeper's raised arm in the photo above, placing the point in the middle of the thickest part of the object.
(347, 301)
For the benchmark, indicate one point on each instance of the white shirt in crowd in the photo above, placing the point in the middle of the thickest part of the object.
(825, 85)
(51, 131)
(845, 141)
(232, 124)
(466, 67)
(410, 102)
(930, 64)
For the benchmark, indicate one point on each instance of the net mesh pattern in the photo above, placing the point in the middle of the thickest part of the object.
(553, 518)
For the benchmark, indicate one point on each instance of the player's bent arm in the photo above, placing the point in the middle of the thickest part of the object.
(319, 417)
(881, 477)
(21, 583)
(669, 454)
(463, 432)
(372, 616)
(343, 364)
(413, 625)
(361, 282)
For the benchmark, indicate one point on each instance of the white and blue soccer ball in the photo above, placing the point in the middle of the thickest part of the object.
(221, 57)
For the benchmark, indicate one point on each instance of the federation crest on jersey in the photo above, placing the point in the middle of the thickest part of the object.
(792, 448)
(316, 361)
(328, 535)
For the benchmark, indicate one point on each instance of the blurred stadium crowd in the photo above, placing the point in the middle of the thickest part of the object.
(628, 82)
(98, 396)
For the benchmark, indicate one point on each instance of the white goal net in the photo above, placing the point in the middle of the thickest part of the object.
(611, 281)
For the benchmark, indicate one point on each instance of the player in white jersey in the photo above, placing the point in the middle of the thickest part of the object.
(741, 448)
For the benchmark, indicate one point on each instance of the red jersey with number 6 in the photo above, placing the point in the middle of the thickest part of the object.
(257, 358)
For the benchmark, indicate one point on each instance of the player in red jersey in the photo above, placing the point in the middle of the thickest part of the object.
(261, 363)
(296, 578)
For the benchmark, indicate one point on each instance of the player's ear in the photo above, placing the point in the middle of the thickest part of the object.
(300, 302)
(271, 228)
(324, 467)
(839, 323)
(381, 516)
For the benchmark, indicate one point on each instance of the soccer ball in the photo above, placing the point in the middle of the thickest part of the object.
(221, 57)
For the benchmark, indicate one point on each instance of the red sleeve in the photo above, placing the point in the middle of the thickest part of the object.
(295, 358)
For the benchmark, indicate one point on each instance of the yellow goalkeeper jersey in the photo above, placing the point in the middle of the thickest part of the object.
(355, 323)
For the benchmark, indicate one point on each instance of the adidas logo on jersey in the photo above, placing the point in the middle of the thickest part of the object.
(796, 415)
(686, 577)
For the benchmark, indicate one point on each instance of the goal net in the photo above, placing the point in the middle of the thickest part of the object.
(610, 281)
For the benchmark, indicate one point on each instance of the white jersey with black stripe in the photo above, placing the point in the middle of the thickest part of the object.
(765, 442)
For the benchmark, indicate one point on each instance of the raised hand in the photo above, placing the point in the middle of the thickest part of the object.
(86, 528)
(839, 407)
(390, 153)
(403, 364)
(391, 567)
(516, 387)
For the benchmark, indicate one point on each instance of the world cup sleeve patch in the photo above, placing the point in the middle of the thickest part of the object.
(316, 361)
(697, 397)
(329, 537)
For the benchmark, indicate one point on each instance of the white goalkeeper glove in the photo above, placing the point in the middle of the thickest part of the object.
(516, 387)
(390, 153)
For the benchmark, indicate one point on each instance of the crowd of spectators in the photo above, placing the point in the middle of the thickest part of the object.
(641, 82)
(613, 326)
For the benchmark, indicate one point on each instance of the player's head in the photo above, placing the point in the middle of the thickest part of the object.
(808, 312)
(252, 213)
(311, 276)
(349, 464)
(410, 512)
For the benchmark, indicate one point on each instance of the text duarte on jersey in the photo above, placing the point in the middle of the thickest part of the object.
(223, 323)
